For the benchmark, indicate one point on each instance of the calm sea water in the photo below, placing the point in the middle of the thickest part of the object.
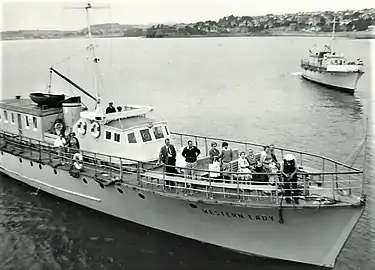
(240, 88)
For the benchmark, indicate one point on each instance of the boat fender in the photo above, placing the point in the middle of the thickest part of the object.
(95, 130)
(58, 127)
(81, 127)
(77, 161)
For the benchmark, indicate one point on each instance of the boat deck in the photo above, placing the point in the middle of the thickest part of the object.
(230, 187)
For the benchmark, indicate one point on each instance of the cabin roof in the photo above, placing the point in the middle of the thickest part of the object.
(127, 123)
(27, 106)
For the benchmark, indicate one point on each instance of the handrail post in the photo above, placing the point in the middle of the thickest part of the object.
(49, 154)
(196, 141)
(110, 167)
(182, 144)
(206, 146)
(31, 149)
(40, 152)
(301, 159)
(121, 173)
(337, 176)
(164, 176)
(238, 189)
(139, 174)
(210, 188)
(323, 170)
(95, 164)
(333, 188)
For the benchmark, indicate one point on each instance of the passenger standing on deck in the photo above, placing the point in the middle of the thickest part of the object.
(226, 157)
(190, 153)
(274, 159)
(60, 143)
(167, 156)
(289, 172)
(110, 108)
(214, 153)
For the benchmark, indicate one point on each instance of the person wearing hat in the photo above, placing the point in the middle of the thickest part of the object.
(289, 172)
(110, 108)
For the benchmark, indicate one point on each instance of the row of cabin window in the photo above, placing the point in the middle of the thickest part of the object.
(145, 135)
(12, 118)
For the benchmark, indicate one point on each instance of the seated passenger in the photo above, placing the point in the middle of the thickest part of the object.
(110, 108)
(251, 159)
(243, 166)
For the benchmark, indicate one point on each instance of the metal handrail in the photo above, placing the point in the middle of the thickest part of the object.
(114, 168)
(262, 145)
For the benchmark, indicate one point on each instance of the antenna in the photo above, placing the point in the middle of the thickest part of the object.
(91, 46)
(333, 32)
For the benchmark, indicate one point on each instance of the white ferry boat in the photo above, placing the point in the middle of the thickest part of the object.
(332, 70)
(112, 167)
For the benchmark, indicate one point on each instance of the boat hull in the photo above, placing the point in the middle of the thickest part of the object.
(313, 236)
(343, 81)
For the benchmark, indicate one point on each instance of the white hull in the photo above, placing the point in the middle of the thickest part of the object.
(314, 237)
(346, 81)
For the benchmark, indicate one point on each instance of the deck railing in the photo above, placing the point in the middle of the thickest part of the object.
(338, 180)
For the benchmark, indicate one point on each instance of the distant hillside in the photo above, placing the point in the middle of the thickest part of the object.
(98, 30)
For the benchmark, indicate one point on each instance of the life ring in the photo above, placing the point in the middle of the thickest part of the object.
(59, 127)
(77, 161)
(81, 127)
(95, 129)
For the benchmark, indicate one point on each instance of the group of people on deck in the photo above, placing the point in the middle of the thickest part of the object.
(248, 165)
(112, 109)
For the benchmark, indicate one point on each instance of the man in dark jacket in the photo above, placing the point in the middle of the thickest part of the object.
(190, 153)
(167, 156)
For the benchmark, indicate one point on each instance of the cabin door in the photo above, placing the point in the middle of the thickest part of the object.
(19, 123)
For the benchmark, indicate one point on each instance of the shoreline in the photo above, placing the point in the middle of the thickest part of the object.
(349, 35)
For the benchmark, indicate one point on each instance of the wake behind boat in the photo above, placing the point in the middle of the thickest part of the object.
(332, 70)
(111, 163)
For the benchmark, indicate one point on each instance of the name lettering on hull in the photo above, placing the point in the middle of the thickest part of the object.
(259, 217)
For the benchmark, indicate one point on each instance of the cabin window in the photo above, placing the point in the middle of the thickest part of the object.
(166, 130)
(108, 135)
(5, 116)
(145, 134)
(158, 132)
(117, 137)
(131, 138)
(12, 118)
(35, 123)
(27, 122)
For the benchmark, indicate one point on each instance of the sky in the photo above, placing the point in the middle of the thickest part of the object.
(56, 15)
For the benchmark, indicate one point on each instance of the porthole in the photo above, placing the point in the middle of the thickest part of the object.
(120, 190)
(31, 163)
(101, 185)
(54, 170)
(192, 205)
(20, 160)
(141, 196)
(84, 180)
(40, 166)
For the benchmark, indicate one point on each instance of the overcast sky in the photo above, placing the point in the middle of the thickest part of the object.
(54, 15)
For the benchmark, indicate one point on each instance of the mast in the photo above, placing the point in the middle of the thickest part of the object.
(333, 34)
(94, 58)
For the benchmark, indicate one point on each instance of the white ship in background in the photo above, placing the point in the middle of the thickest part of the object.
(332, 70)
